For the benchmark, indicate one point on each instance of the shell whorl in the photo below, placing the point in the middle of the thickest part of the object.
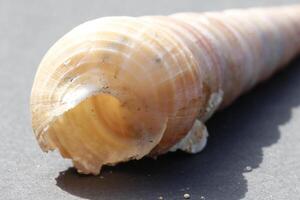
(119, 88)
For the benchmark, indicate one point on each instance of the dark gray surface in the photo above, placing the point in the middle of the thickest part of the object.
(254, 147)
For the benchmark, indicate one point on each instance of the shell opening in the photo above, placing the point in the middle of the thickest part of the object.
(99, 130)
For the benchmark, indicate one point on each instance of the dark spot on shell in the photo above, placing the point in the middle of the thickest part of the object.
(157, 60)
(105, 58)
(69, 79)
(123, 104)
(116, 73)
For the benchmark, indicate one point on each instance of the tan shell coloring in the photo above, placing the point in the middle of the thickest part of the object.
(120, 88)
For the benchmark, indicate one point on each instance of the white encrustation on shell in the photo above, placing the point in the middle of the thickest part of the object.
(194, 141)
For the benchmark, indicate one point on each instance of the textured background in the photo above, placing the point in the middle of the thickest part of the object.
(254, 147)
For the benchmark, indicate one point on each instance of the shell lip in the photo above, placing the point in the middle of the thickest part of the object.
(47, 144)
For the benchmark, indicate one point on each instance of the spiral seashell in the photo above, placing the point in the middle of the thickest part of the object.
(120, 88)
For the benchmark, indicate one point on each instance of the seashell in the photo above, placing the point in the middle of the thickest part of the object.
(120, 88)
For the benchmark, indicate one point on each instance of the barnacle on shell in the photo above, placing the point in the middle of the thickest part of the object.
(120, 88)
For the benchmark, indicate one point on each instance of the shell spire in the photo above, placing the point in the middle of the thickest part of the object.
(120, 88)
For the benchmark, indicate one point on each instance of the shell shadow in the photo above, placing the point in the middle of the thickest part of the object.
(238, 135)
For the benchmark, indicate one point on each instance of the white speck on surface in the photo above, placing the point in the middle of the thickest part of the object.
(186, 196)
(160, 198)
(248, 168)
(194, 141)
